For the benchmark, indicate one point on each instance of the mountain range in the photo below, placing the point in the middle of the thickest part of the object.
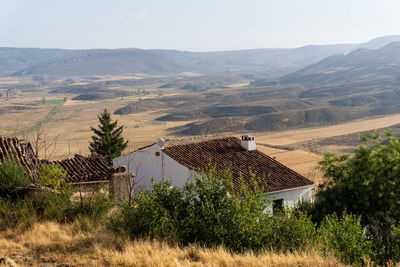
(63, 62)
(361, 64)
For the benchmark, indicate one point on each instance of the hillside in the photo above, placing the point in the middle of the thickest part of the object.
(255, 58)
(380, 42)
(14, 59)
(360, 64)
(52, 244)
(111, 62)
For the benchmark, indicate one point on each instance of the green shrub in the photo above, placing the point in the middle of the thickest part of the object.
(12, 176)
(223, 214)
(14, 213)
(304, 207)
(290, 231)
(52, 200)
(51, 205)
(344, 237)
(153, 213)
(54, 176)
(386, 241)
(211, 212)
(94, 208)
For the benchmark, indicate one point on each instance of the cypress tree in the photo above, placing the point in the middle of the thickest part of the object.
(107, 140)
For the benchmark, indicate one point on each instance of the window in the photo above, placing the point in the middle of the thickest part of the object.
(277, 206)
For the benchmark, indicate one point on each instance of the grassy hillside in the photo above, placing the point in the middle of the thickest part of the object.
(51, 243)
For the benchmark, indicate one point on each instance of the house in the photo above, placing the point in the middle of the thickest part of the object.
(87, 173)
(179, 161)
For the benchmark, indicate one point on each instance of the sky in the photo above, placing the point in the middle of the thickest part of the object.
(202, 25)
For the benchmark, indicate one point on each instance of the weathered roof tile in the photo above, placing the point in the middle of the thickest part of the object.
(78, 168)
(227, 153)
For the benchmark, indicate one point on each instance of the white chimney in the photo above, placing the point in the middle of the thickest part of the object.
(248, 142)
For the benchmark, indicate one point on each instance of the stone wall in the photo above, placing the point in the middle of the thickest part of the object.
(121, 186)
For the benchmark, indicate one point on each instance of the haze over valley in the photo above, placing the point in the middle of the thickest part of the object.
(181, 94)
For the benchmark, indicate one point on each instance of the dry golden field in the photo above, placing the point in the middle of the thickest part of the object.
(69, 127)
(52, 244)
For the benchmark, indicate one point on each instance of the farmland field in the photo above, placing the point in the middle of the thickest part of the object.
(150, 111)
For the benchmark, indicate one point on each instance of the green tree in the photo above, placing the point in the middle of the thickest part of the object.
(366, 184)
(107, 140)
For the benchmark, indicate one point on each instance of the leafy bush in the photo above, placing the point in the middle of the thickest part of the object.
(54, 176)
(52, 200)
(12, 176)
(386, 241)
(14, 213)
(211, 212)
(290, 231)
(95, 208)
(344, 237)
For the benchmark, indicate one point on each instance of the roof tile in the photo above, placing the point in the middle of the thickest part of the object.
(227, 153)
(78, 168)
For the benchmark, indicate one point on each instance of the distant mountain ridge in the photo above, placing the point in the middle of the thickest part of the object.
(105, 61)
(125, 61)
(379, 42)
(14, 59)
(360, 64)
(62, 62)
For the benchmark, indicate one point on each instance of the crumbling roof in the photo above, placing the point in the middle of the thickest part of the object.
(78, 168)
(228, 154)
(83, 169)
(21, 151)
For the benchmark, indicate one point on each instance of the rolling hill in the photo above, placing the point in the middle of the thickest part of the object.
(360, 64)
(15, 59)
(105, 61)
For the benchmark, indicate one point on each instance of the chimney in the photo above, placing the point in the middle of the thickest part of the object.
(248, 142)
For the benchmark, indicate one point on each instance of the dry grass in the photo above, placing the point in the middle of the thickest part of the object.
(48, 244)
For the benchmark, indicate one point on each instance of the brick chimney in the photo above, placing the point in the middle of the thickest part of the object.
(248, 142)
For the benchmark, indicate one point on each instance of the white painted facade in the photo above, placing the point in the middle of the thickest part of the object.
(293, 195)
(152, 163)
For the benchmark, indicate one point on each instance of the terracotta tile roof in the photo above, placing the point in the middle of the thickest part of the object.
(78, 168)
(21, 151)
(83, 169)
(227, 153)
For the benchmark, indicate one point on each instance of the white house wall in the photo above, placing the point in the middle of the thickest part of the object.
(292, 196)
(147, 166)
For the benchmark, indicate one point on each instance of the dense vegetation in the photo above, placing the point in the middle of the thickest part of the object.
(355, 217)
(366, 184)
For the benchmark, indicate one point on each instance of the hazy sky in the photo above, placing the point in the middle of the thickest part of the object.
(201, 25)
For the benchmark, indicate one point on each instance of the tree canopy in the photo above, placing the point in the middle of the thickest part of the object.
(107, 140)
(367, 183)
